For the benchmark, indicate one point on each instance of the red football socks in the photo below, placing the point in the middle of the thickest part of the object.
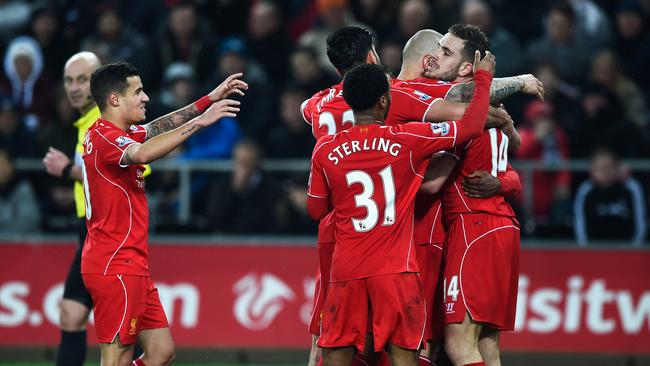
(475, 364)
(138, 362)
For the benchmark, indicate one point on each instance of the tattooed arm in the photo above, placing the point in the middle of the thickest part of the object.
(164, 142)
(232, 85)
(171, 120)
(501, 88)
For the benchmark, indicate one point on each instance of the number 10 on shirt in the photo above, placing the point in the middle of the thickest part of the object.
(364, 199)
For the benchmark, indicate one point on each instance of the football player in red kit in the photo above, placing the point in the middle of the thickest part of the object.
(429, 229)
(481, 251)
(114, 263)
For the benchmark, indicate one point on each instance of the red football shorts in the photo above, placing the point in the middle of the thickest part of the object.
(398, 313)
(325, 252)
(430, 262)
(124, 305)
(481, 272)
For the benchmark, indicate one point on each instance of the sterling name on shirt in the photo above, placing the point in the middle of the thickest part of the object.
(374, 144)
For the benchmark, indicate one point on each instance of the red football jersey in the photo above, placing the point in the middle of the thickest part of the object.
(488, 152)
(432, 87)
(371, 174)
(116, 206)
(328, 113)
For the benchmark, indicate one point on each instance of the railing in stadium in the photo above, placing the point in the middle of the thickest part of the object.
(526, 169)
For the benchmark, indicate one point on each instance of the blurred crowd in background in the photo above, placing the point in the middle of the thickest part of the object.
(591, 56)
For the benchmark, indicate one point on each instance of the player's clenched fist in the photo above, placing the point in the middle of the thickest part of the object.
(222, 108)
(488, 63)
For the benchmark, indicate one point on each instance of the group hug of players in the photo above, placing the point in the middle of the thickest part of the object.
(417, 245)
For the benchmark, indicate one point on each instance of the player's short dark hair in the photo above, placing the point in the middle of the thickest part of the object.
(348, 47)
(110, 78)
(364, 85)
(474, 39)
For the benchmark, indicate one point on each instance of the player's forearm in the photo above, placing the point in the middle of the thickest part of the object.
(159, 145)
(439, 169)
(473, 121)
(514, 140)
(444, 110)
(177, 118)
(501, 88)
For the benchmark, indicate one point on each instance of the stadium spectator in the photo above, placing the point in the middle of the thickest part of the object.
(45, 28)
(560, 46)
(564, 97)
(591, 23)
(291, 136)
(19, 210)
(14, 136)
(185, 38)
(115, 41)
(502, 43)
(268, 40)
(543, 140)
(241, 203)
(31, 91)
(610, 205)
(333, 15)
(306, 72)
(256, 118)
(607, 72)
(632, 45)
(604, 123)
(412, 16)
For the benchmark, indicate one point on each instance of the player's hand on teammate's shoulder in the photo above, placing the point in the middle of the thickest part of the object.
(532, 86)
(481, 184)
(222, 108)
(232, 85)
(488, 63)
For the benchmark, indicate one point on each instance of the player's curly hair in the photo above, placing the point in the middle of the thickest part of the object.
(110, 78)
(474, 39)
(348, 47)
(364, 85)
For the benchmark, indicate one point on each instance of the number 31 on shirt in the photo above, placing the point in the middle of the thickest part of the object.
(364, 199)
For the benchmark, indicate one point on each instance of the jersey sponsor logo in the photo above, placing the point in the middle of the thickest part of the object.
(134, 327)
(259, 299)
(441, 129)
(421, 95)
(123, 140)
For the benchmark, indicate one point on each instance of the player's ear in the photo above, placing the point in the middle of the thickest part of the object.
(466, 69)
(372, 58)
(383, 102)
(113, 99)
(426, 62)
